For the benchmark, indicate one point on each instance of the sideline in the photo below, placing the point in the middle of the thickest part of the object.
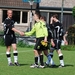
(18, 52)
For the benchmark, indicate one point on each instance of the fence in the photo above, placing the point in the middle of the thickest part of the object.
(30, 41)
(21, 41)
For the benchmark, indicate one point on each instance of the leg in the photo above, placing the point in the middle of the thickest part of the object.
(8, 49)
(51, 54)
(60, 57)
(36, 58)
(60, 53)
(48, 57)
(41, 58)
(9, 55)
(36, 54)
(15, 53)
(37, 49)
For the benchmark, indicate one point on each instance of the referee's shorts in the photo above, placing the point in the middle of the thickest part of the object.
(38, 46)
(9, 40)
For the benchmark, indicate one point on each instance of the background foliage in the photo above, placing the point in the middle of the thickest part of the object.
(73, 11)
(71, 35)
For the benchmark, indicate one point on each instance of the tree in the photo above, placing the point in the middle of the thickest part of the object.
(73, 12)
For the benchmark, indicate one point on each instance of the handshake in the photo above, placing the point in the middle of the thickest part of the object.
(22, 33)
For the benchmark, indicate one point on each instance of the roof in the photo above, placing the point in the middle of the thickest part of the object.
(15, 4)
(44, 4)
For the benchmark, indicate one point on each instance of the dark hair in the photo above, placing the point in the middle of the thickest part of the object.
(43, 17)
(55, 16)
(38, 14)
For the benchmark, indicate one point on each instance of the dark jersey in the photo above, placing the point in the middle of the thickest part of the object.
(57, 30)
(50, 36)
(8, 25)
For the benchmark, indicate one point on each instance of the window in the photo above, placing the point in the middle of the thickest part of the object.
(24, 17)
(17, 16)
(4, 15)
(45, 14)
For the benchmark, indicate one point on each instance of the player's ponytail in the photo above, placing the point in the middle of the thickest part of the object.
(38, 14)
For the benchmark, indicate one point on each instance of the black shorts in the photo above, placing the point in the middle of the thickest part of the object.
(49, 40)
(10, 39)
(38, 46)
(57, 45)
(48, 46)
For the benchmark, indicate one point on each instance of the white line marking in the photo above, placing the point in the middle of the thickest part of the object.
(18, 52)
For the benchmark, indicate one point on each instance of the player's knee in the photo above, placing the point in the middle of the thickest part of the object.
(59, 51)
(8, 48)
(60, 56)
(14, 48)
(51, 54)
(46, 52)
(15, 53)
(51, 51)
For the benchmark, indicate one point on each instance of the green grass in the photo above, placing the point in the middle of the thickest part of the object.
(26, 57)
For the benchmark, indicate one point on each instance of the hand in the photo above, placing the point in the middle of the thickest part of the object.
(51, 20)
(22, 33)
(52, 43)
(66, 43)
(45, 40)
(35, 40)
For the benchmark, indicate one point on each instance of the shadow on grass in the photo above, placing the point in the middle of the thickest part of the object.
(56, 66)
(66, 65)
(24, 64)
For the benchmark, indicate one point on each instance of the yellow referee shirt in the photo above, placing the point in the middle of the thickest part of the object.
(39, 28)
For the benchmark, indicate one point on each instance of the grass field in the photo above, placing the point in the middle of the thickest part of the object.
(26, 57)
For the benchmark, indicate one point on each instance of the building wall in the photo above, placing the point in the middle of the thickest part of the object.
(57, 3)
(21, 26)
(54, 6)
(44, 3)
(1, 26)
(16, 5)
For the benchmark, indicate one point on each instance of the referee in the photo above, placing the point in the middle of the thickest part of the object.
(41, 35)
(10, 38)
